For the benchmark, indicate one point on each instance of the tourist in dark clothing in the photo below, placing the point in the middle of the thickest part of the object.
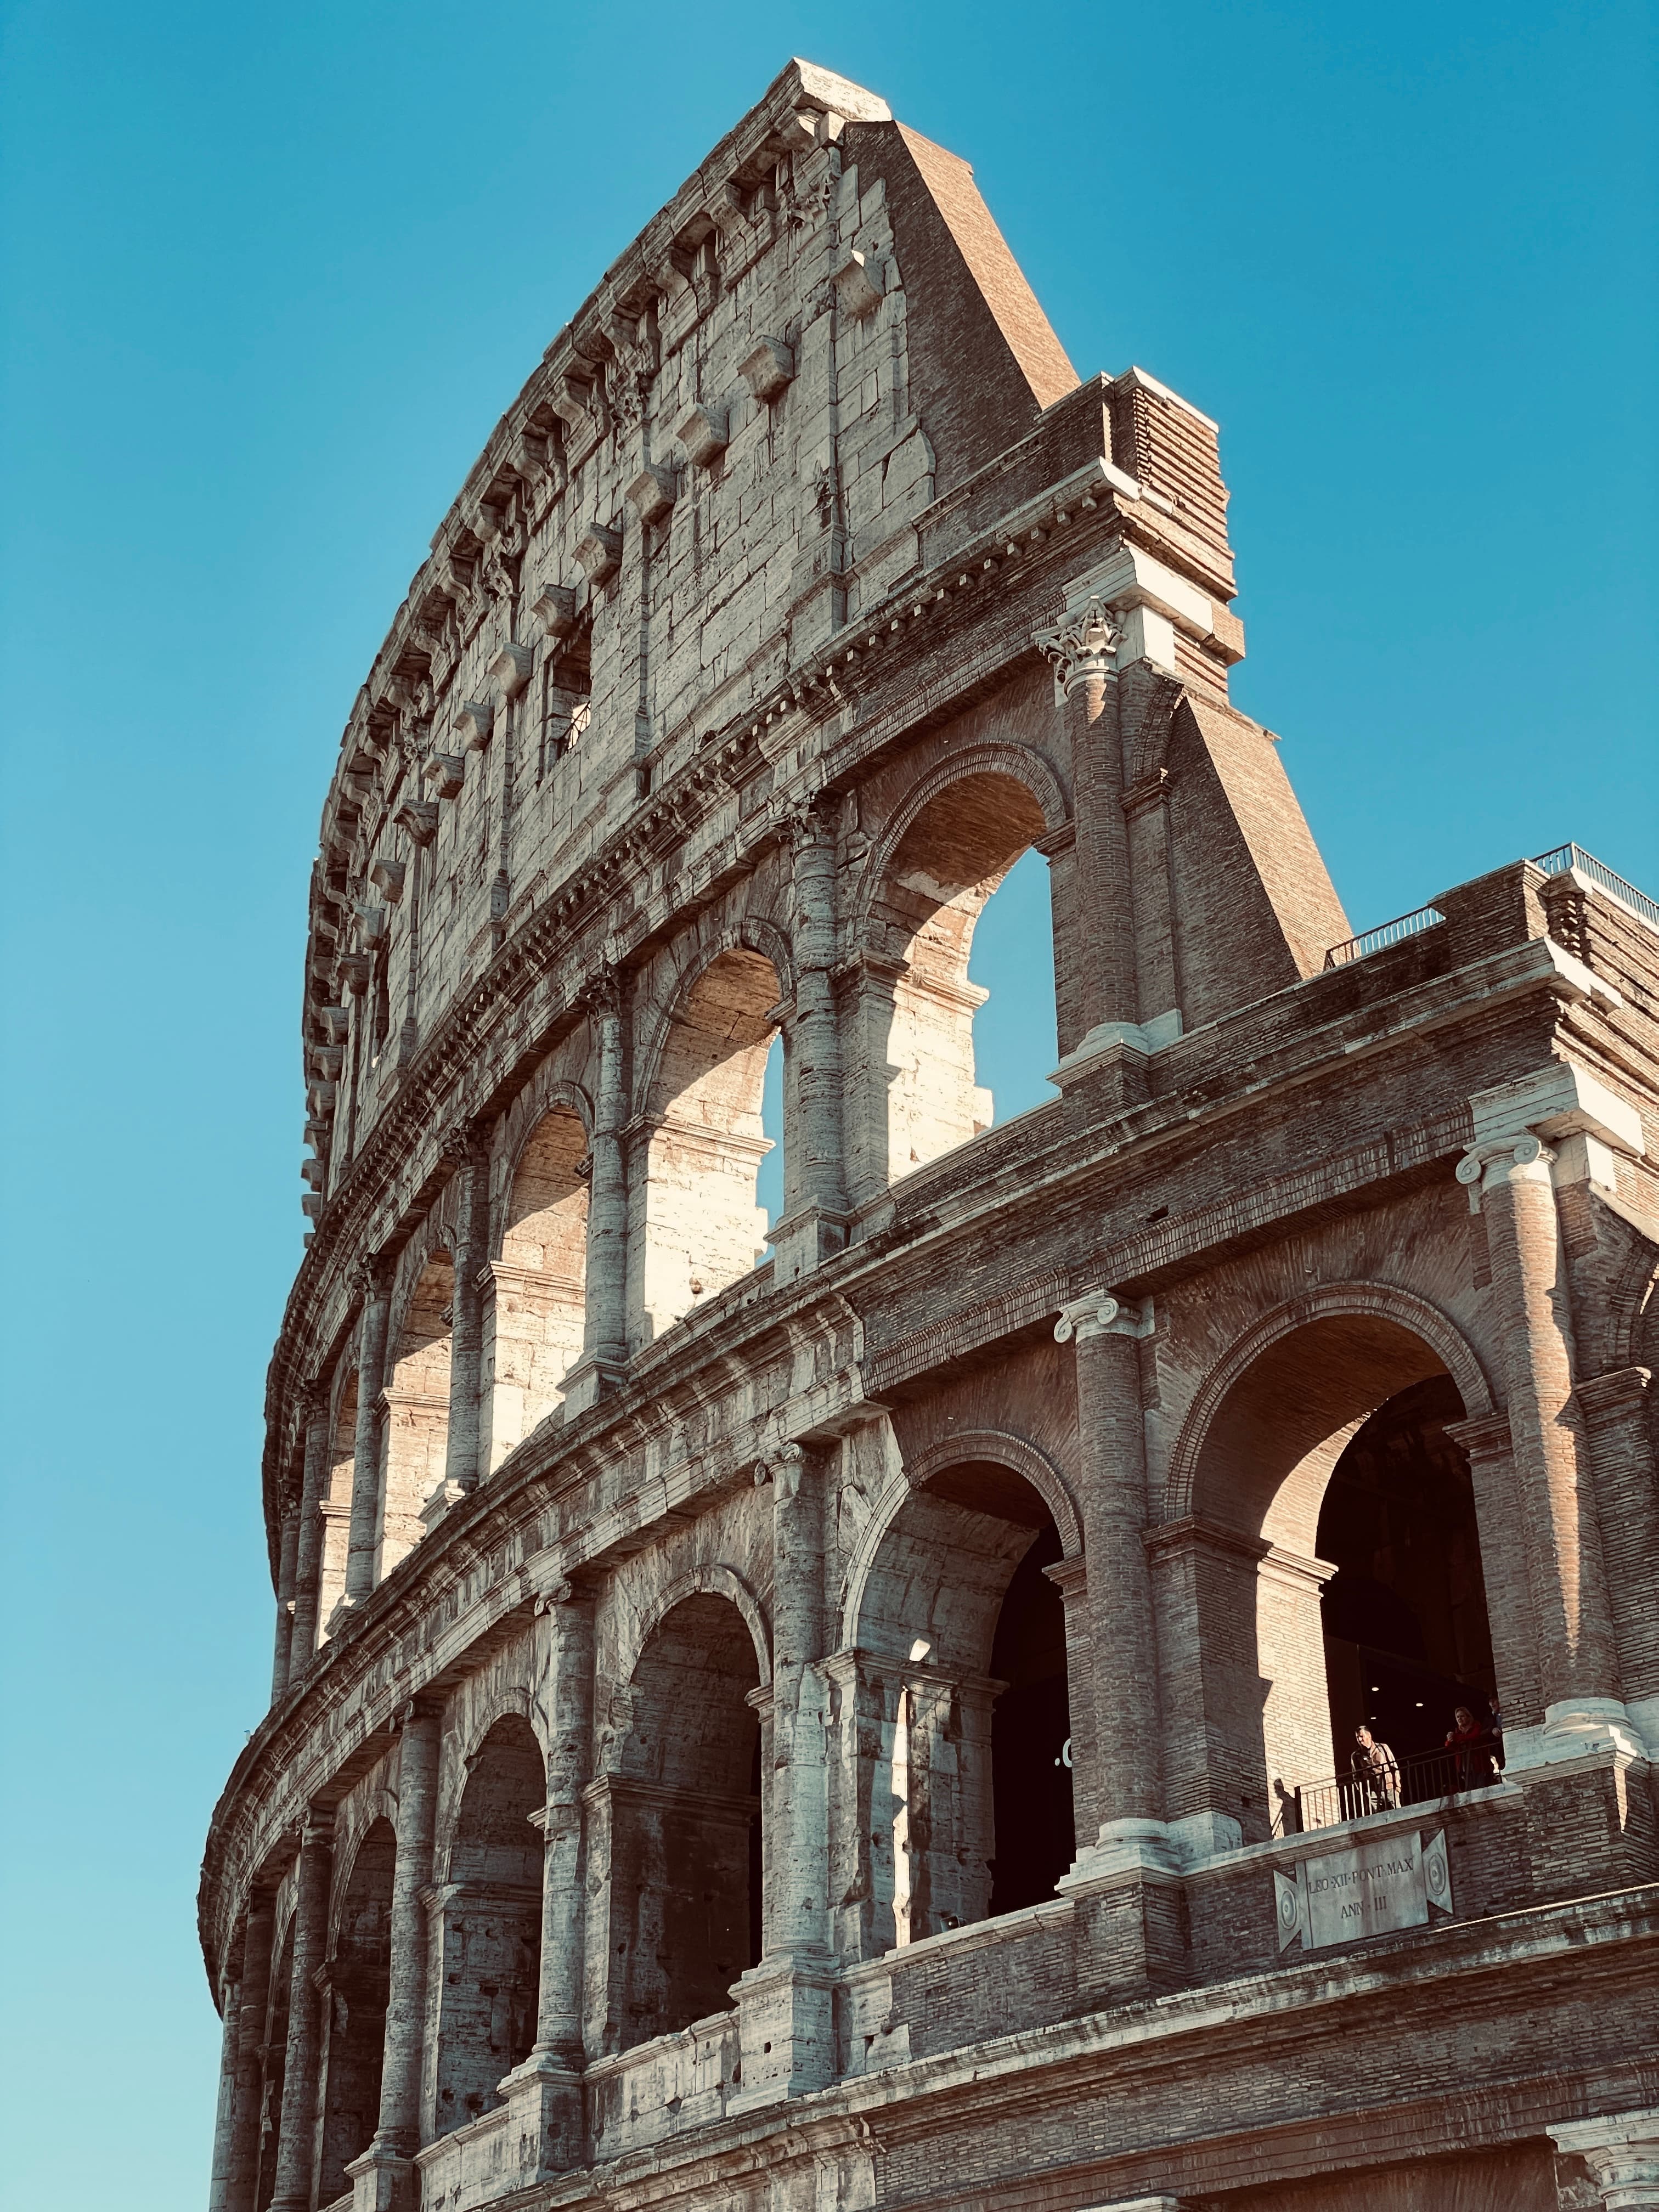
(1472, 1745)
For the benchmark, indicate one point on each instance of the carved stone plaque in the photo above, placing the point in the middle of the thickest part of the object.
(1383, 1883)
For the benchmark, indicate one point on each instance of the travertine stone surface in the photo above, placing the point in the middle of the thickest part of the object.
(833, 1733)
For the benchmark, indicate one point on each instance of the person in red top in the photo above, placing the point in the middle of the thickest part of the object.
(1472, 1745)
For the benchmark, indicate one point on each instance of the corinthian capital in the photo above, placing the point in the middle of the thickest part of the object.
(602, 992)
(1081, 644)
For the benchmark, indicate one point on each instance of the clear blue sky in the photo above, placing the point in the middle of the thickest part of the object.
(269, 277)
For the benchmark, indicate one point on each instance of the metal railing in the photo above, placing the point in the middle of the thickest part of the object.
(1423, 1778)
(1573, 859)
(1390, 932)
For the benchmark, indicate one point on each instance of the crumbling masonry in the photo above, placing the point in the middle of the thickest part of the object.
(872, 1729)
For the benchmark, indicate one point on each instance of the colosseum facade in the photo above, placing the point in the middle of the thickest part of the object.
(872, 1725)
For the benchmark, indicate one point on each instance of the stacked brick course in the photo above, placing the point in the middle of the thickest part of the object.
(636, 1791)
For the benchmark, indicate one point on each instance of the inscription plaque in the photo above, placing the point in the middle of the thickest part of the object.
(1337, 1897)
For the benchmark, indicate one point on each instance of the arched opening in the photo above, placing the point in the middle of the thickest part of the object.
(964, 1788)
(1334, 1435)
(685, 1857)
(697, 1225)
(416, 1397)
(1407, 1638)
(920, 1004)
(271, 2097)
(533, 1322)
(490, 1933)
(359, 1979)
(335, 1505)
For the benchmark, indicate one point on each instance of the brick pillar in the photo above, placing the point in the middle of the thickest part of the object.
(225, 2113)
(604, 1341)
(1617, 1415)
(308, 1563)
(296, 2142)
(815, 1222)
(253, 2000)
(384, 2180)
(1100, 962)
(784, 2003)
(545, 2092)
(1578, 1661)
(1146, 817)
(470, 1150)
(1132, 1933)
(1127, 1785)
(363, 1542)
(287, 1564)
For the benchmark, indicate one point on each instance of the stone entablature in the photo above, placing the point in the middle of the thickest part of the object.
(854, 1725)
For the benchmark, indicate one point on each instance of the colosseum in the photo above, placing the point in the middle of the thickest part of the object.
(940, 1698)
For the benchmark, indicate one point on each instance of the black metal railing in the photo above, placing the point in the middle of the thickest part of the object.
(1389, 933)
(1423, 1780)
(1573, 859)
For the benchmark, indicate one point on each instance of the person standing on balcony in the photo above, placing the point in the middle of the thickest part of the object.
(1375, 1772)
(1495, 1732)
(1472, 1747)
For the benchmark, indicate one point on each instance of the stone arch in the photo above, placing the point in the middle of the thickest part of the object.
(359, 1970)
(535, 1312)
(927, 883)
(486, 1923)
(335, 1504)
(1633, 1313)
(683, 1810)
(749, 932)
(543, 1094)
(357, 1814)
(1330, 1301)
(950, 1576)
(416, 1397)
(508, 1701)
(709, 1580)
(1316, 1404)
(695, 1225)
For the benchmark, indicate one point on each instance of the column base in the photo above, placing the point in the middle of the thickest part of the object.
(544, 2096)
(384, 2180)
(805, 1239)
(1571, 1729)
(786, 2029)
(589, 1382)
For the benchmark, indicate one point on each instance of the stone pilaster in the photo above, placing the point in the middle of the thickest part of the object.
(1081, 651)
(308, 1563)
(384, 2180)
(287, 1566)
(1509, 1177)
(296, 2142)
(1622, 2153)
(815, 1224)
(784, 2002)
(470, 1151)
(605, 1344)
(253, 2000)
(376, 1291)
(225, 2111)
(1617, 1410)
(545, 2092)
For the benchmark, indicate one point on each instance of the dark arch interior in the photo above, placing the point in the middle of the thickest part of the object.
(1031, 1732)
(1407, 1638)
(686, 1844)
(358, 1983)
(270, 2109)
(491, 1926)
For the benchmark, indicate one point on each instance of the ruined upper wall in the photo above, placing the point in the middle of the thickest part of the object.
(721, 459)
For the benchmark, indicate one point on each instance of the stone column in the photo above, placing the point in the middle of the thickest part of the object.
(1509, 1177)
(384, 2179)
(253, 2000)
(1127, 1880)
(286, 1563)
(545, 2092)
(296, 2142)
(784, 2002)
(469, 1150)
(376, 1291)
(224, 2116)
(1128, 1782)
(1622, 2153)
(816, 1223)
(308, 1564)
(605, 1343)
